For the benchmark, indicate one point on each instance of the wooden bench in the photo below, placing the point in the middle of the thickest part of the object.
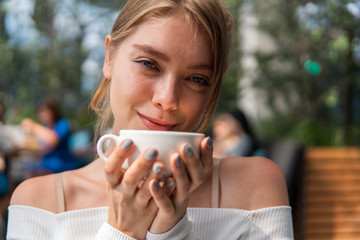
(330, 199)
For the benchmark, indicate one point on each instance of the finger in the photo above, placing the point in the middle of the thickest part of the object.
(170, 186)
(113, 167)
(160, 197)
(206, 151)
(138, 169)
(157, 172)
(193, 164)
(180, 175)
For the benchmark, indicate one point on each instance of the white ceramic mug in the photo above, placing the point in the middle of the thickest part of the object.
(165, 142)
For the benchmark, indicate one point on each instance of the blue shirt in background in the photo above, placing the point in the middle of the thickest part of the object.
(60, 158)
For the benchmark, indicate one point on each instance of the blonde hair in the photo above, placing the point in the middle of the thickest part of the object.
(209, 16)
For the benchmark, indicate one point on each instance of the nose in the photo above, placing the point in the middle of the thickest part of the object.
(166, 93)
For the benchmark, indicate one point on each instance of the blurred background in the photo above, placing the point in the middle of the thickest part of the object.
(293, 71)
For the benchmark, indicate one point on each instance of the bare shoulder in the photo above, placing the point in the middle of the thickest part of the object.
(252, 183)
(39, 192)
(77, 185)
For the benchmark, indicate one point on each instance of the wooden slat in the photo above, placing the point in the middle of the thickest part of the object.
(333, 153)
(333, 208)
(330, 229)
(333, 167)
(331, 194)
(336, 188)
(333, 178)
(334, 220)
(332, 237)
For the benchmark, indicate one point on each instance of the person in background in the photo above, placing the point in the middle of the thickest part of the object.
(52, 136)
(7, 149)
(163, 67)
(233, 136)
(3, 140)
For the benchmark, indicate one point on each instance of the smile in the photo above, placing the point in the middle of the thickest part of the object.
(156, 124)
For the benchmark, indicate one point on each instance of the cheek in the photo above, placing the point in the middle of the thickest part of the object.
(126, 92)
(45, 117)
(122, 85)
(218, 131)
(195, 107)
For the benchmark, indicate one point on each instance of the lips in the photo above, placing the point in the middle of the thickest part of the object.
(156, 124)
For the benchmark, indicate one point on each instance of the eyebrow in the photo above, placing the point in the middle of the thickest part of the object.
(207, 67)
(150, 50)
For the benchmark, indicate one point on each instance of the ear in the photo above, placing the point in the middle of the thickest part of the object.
(107, 61)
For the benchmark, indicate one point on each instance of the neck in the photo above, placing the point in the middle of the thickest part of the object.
(95, 170)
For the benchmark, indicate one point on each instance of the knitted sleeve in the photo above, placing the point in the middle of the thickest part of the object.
(107, 232)
(182, 230)
(273, 223)
(30, 223)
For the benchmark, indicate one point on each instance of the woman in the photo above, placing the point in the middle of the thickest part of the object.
(233, 136)
(53, 137)
(164, 62)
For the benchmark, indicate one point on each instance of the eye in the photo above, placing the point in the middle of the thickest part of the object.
(199, 80)
(145, 63)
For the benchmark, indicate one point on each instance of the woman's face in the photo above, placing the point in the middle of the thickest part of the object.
(45, 116)
(160, 76)
(225, 126)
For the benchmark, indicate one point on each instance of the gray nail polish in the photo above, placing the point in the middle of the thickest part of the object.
(188, 150)
(209, 143)
(156, 168)
(178, 161)
(170, 183)
(151, 154)
(156, 185)
(127, 144)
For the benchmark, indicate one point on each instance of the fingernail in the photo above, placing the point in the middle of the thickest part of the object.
(209, 143)
(151, 154)
(178, 161)
(188, 150)
(127, 144)
(157, 168)
(170, 183)
(156, 185)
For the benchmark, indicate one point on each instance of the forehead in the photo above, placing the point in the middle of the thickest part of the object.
(174, 36)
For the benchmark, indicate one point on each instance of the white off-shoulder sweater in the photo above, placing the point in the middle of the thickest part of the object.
(199, 223)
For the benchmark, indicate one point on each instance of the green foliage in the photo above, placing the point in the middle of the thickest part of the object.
(308, 131)
(51, 66)
(230, 89)
(312, 70)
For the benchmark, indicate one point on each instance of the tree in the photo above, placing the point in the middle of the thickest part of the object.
(230, 89)
(312, 69)
(52, 63)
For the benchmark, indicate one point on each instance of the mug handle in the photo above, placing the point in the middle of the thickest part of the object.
(100, 143)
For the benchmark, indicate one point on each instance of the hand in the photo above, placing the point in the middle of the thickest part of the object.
(189, 172)
(28, 124)
(131, 207)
